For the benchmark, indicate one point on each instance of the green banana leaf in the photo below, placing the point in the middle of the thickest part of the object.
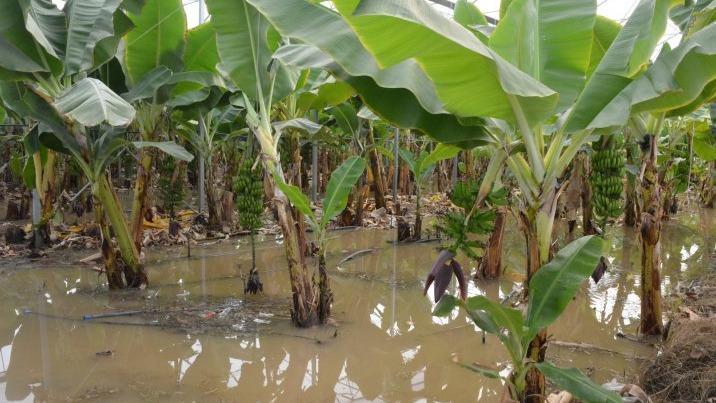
(407, 156)
(19, 50)
(504, 5)
(702, 18)
(488, 316)
(299, 201)
(401, 94)
(555, 283)
(469, 16)
(691, 66)
(424, 164)
(551, 41)
(339, 187)
(628, 55)
(705, 144)
(490, 373)
(475, 82)
(201, 53)
(149, 84)
(509, 319)
(88, 23)
(105, 148)
(691, 16)
(188, 130)
(605, 31)
(31, 144)
(83, 35)
(383, 100)
(46, 23)
(159, 39)
(301, 124)
(191, 81)
(324, 92)
(106, 49)
(573, 380)
(679, 82)
(28, 104)
(441, 152)
(168, 147)
(244, 46)
(201, 56)
(445, 305)
(198, 102)
(90, 102)
(346, 118)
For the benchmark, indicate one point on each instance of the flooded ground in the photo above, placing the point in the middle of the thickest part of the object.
(385, 346)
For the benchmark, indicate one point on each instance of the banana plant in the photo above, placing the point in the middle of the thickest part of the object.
(47, 78)
(705, 148)
(318, 92)
(152, 53)
(166, 67)
(92, 151)
(220, 124)
(582, 75)
(245, 45)
(48, 48)
(553, 287)
(422, 168)
(339, 188)
(44, 78)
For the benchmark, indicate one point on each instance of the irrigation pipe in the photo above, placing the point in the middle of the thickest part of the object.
(110, 315)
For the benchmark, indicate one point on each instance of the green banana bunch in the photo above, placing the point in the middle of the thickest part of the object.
(606, 179)
(248, 186)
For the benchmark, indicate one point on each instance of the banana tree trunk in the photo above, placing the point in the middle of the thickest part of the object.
(211, 199)
(631, 206)
(111, 266)
(534, 380)
(304, 312)
(325, 172)
(134, 271)
(140, 201)
(667, 187)
(573, 194)
(227, 206)
(469, 164)
(376, 168)
(177, 176)
(651, 321)
(669, 200)
(537, 225)
(492, 259)
(708, 186)
(47, 194)
(324, 287)
(439, 182)
(587, 211)
(404, 178)
(296, 180)
(418, 229)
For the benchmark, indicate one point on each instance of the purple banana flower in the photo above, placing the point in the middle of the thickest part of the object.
(441, 273)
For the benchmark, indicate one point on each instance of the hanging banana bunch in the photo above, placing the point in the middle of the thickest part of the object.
(606, 178)
(248, 187)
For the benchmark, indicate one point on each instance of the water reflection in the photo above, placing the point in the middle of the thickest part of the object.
(387, 346)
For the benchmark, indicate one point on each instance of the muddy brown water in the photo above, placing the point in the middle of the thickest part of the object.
(385, 346)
